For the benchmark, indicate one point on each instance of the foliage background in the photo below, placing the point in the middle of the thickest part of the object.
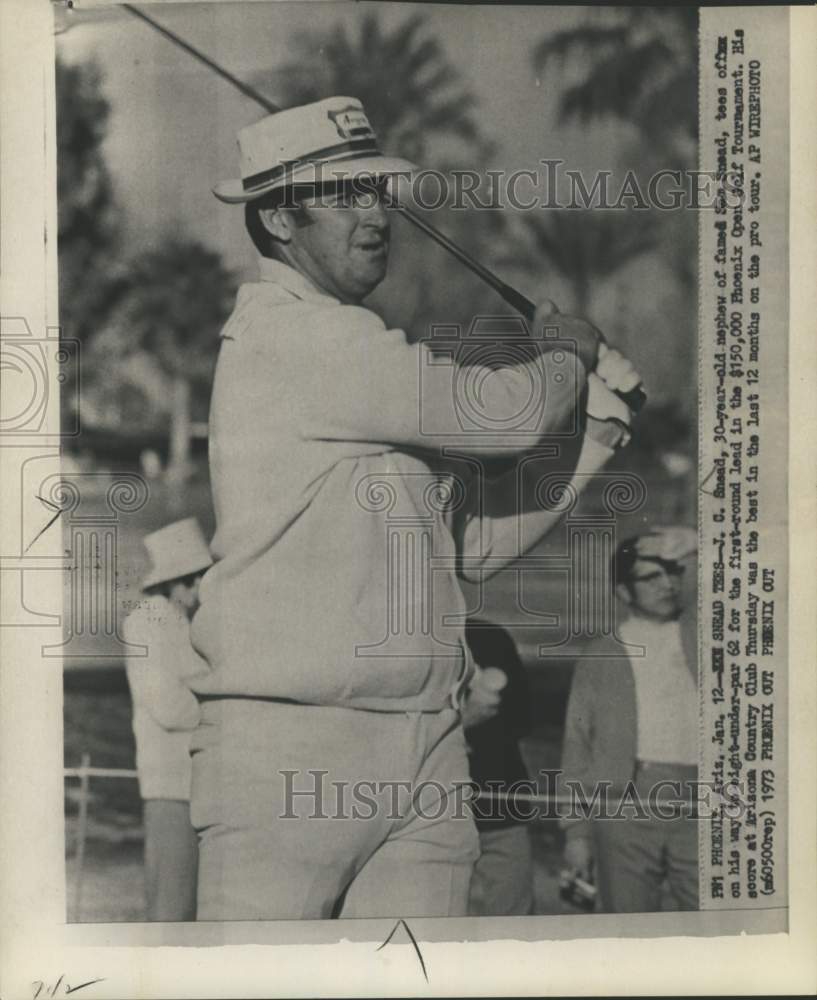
(145, 131)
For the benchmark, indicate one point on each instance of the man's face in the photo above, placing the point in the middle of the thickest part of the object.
(339, 241)
(655, 589)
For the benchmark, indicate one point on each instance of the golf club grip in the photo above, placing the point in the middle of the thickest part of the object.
(634, 398)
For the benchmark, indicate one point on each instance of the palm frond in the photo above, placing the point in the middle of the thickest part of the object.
(640, 66)
(615, 85)
(587, 40)
(402, 76)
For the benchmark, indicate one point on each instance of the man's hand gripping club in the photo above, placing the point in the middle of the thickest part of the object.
(608, 417)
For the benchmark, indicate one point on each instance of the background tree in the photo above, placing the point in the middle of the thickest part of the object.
(410, 90)
(420, 109)
(638, 64)
(585, 246)
(166, 324)
(88, 216)
(87, 213)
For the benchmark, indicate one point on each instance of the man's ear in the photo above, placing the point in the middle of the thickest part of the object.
(623, 593)
(277, 224)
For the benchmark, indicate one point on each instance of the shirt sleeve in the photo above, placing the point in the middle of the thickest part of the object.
(577, 746)
(508, 523)
(155, 684)
(367, 383)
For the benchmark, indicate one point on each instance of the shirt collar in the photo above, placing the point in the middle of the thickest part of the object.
(278, 273)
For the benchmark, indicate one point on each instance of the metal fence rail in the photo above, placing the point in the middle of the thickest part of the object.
(84, 773)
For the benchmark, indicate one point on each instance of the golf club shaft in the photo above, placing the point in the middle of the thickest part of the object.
(634, 398)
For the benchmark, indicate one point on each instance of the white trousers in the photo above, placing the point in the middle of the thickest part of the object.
(308, 812)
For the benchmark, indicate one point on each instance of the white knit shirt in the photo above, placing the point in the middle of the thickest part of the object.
(665, 692)
(336, 567)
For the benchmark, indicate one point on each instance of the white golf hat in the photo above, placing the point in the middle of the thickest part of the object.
(330, 140)
(176, 550)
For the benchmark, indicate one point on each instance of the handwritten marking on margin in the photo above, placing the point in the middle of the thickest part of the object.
(706, 480)
(413, 941)
(52, 992)
(42, 531)
(73, 989)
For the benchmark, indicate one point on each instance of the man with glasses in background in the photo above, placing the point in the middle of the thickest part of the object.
(633, 717)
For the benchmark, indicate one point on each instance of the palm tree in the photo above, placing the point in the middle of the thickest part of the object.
(638, 64)
(414, 98)
(402, 76)
(586, 246)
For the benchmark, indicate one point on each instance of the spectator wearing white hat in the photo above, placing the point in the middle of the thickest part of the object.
(165, 712)
(326, 428)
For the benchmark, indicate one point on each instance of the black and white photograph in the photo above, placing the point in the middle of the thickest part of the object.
(360, 617)
(400, 482)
